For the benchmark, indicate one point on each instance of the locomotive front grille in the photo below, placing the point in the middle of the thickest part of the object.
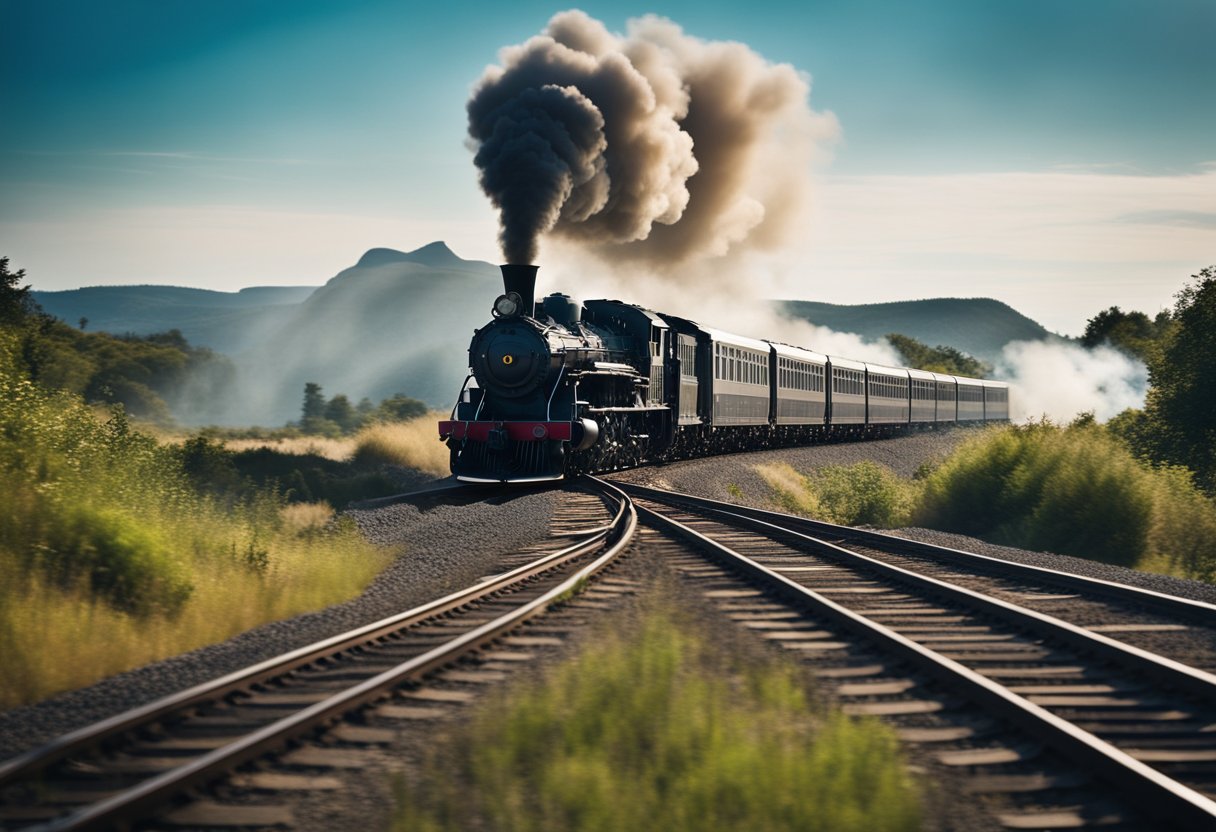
(517, 460)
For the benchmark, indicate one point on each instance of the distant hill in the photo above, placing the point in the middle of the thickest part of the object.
(978, 326)
(393, 322)
(400, 322)
(224, 321)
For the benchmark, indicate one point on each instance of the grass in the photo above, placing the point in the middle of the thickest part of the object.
(112, 557)
(657, 728)
(413, 444)
(337, 450)
(1075, 490)
(864, 493)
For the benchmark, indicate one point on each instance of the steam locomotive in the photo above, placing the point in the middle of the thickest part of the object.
(557, 389)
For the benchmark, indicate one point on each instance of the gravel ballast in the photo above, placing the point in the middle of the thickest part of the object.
(443, 545)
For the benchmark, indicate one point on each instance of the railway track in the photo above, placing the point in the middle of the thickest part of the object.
(146, 761)
(1054, 724)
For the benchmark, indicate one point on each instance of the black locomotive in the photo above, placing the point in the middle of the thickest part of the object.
(556, 389)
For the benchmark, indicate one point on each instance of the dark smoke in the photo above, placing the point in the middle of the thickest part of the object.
(654, 146)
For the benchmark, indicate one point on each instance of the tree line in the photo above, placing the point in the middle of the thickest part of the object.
(142, 373)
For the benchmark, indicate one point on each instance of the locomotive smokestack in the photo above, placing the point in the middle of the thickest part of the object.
(522, 281)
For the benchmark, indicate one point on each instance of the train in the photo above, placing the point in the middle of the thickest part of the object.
(557, 388)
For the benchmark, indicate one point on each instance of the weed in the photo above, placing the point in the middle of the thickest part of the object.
(413, 444)
(655, 728)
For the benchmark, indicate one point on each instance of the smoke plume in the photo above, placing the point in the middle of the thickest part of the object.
(1061, 380)
(654, 147)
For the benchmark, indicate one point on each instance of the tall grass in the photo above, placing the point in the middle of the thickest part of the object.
(413, 444)
(111, 558)
(660, 730)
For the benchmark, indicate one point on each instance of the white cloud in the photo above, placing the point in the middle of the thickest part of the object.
(1059, 246)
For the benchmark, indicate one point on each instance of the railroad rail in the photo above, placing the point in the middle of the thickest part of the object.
(215, 727)
(1117, 713)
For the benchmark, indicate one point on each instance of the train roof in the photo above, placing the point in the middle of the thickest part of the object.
(887, 370)
(847, 363)
(924, 375)
(719, 336)
(790, 351)
(944, 377)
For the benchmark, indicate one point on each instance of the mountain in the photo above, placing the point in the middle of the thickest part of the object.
(393, 322)
(399, 322)
(224, 321)
(978, 326)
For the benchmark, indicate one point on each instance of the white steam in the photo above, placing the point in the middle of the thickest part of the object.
(1061, 380)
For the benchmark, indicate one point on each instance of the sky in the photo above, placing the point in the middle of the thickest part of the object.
(1058, 156)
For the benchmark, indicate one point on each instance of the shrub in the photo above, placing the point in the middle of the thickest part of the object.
(112, 556)
(864, 493)
(661, 729)
(1073, 490)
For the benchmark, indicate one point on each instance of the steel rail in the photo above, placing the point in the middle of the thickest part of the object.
(136, 802)
(1193, 681)
(1200, 611)
(88, 737)
(1155, 794)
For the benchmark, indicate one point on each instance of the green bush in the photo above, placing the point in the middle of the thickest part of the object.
(1074, 490)
(864, 493)
(659, 729)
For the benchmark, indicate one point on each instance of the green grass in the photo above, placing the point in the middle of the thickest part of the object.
(654, 728)
(112, 557)
(1075, 490)
(864, 493)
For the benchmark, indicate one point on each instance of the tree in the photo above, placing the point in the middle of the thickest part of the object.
(400, 408)
(16, 305)
(1181, 402)
(314, 402)
(939, 359)
(1131, 332)
(340, 412)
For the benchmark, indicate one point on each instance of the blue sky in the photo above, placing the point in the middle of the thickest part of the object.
(1056, 155)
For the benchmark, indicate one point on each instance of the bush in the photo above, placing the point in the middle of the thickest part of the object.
(112, 555)
(864, 493)
(662, 729)
(1075, 490)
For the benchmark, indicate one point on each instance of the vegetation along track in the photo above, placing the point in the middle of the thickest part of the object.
(1053, 724)
(143, 762)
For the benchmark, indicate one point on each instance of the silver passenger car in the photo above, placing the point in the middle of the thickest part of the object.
(887, 398)
(741, 379)
(801, 386)
(970, 399)
(847, 392)
(996, 400)
(924, 396)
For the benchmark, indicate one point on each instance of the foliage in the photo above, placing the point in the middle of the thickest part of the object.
(337, 417)
(863, 493)
(1181, 402)
(16, 305)
(145, 375)
(1132, 332)
(939, 359)
(1076, 491)
(660, 729)
(113, 556)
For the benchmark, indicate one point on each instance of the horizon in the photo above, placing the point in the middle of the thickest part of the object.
(1055, 159)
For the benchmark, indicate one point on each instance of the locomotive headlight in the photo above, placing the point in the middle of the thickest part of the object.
(507, 305)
